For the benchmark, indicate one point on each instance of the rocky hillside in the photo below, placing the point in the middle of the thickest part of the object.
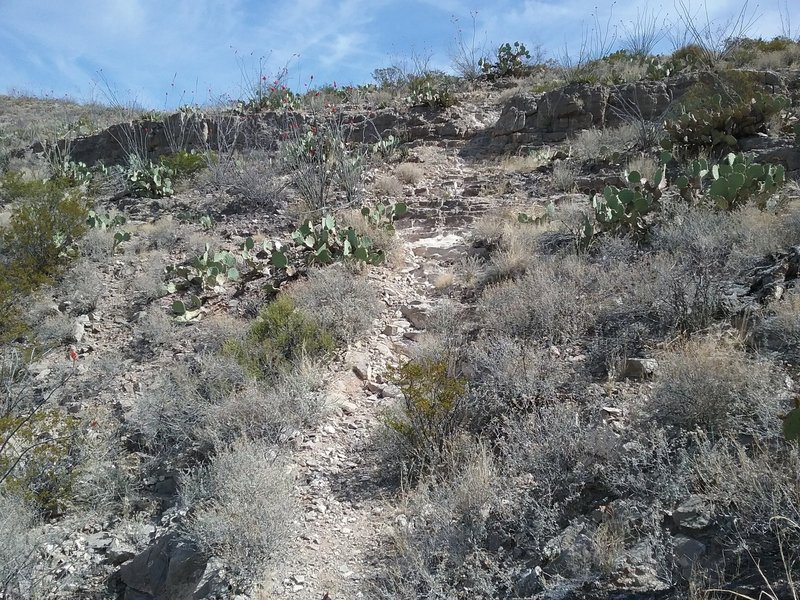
(434, 339)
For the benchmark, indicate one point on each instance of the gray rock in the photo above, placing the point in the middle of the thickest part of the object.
(416, 313)
(570, 551)
(79, 329)
(119, 552)
(687, 551)
(639, 368)
(168, 568)
(99, 542)
(359, 362)
(695, 513)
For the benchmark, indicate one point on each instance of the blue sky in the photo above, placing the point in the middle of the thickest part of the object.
(162, 53)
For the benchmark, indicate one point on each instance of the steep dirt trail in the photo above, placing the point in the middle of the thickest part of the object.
(346, 506)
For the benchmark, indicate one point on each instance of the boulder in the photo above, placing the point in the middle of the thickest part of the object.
(168, 568)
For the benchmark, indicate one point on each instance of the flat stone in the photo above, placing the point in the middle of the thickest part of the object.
(640, 368)
(695, 513)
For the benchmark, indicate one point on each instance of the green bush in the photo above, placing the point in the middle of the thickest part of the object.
(280, 337)
(183, 163)
(38, 242)
(431, 413)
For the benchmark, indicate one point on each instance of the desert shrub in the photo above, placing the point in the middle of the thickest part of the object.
(255, 180)
(240, 508)
(154, 328)
(562, 452)
(440, 552)
(271, 413)
(80, 287)
(702, 250)
(779, 331)
(748, 486)
(598, 144)
(18, 546)
(548, 303)
(508, 378)
(564, 176)
(45, 223)
(105, 471)
(718, 389)
(183, 163)
(388, 187)
(339, 301)
(432, 412)
(408, 173)
(37, 243)
(168, 415)
(280, 337)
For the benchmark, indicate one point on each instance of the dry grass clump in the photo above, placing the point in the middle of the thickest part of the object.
(255, 180)
(779, 331)
(19, 546)
(155, 328)
(508, 377)
(272, 413)
(646, 165)
(162, 235)
(717, 388)
(408, 173)
(168, 415)
(242, 508)
(748, 486)
(550, 303)
(529, 162)
(437, 545)
(147, 284)
(592, 144)
(80, 288)
(563, 177)
(388, 186)
(96, 245)
(339, 300)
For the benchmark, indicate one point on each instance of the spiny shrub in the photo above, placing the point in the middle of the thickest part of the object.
(281, 336)
(38, 242)
(243, 506)
(184, 163)
(431, 413)
(431, 90)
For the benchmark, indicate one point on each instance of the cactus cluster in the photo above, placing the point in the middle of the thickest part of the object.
(386, 147)
(545, 217)
(736, 181)
(720, 125)
(148, 179)
(431, 91)
(383, 215)
(207, 271)
(326, 243)
(511, 61)
(621, 211)
(96, 220)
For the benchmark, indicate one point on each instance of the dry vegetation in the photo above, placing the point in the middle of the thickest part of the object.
(566, 402)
